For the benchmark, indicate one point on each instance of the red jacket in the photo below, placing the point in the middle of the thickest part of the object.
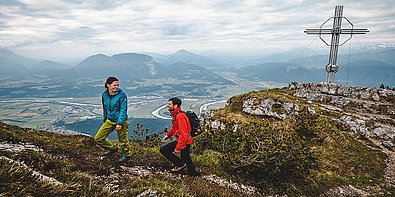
(180, 129)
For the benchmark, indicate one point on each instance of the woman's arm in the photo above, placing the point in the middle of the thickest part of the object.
(104, 109)
(123, 111)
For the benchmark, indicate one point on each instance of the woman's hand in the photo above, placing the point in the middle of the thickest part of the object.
(118, 127)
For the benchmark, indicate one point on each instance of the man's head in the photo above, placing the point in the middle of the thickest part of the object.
(174, 103)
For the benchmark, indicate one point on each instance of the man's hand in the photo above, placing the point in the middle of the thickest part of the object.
(118, 127)
(166, 138)
(176, 152)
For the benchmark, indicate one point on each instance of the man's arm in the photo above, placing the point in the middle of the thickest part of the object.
(169, 134)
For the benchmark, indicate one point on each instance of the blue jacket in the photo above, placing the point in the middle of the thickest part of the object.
(115, 107)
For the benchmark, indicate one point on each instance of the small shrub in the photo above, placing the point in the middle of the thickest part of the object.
(390, 98)
(145, 139)
(260, 152)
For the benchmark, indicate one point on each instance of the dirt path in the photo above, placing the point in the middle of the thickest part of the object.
(389, 174)
(122, 172)
(147, 171)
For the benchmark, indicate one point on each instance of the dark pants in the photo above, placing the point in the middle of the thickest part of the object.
(167, 151)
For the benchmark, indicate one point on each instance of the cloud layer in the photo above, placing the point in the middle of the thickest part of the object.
(64, 29)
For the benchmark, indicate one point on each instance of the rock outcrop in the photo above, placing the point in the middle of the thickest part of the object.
(368, 111)
(368, 114)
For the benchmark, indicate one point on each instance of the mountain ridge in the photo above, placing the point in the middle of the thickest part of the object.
(353, 71)
(134, 66)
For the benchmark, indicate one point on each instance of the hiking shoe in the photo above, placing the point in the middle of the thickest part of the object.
(195, 174)
(123, 158)
(176, 169)
(109, 152)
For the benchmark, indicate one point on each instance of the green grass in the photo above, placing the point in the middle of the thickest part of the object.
(75, 161)
(303, 155)
(336, 157)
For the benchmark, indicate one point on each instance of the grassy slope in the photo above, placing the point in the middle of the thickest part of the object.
(302, 155)
(76, 162)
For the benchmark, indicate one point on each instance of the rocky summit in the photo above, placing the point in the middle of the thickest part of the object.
(367, 111)
(309, 139)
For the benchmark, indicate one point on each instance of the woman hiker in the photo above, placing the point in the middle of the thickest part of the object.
(115, 116)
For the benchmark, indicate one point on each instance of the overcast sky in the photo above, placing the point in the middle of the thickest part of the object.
(51, 29)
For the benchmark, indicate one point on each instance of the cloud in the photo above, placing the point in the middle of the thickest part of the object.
(166, 26)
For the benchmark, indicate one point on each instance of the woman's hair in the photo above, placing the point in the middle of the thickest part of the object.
(110, 80)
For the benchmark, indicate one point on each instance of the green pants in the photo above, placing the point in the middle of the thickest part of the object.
(106, 129)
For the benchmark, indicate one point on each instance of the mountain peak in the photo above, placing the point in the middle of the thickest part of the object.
(184, 52)
(132, 57)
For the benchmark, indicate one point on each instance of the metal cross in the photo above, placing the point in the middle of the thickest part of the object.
(332, 67)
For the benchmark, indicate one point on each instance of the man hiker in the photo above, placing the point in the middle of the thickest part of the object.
(115, 116)
(181, 129)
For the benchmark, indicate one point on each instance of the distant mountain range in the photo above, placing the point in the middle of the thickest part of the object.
(125, 65)
(132, 66)
(368, 68)
(364, 68)
(12, 63)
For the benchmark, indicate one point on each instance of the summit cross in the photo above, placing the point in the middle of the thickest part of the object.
(332, 67)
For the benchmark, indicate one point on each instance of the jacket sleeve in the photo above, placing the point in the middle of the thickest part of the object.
(123, 101)
(183, 132)
(104, 109)
(171, 131)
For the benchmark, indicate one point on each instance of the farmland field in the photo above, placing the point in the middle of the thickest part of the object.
(62, 107)
(77, 113)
